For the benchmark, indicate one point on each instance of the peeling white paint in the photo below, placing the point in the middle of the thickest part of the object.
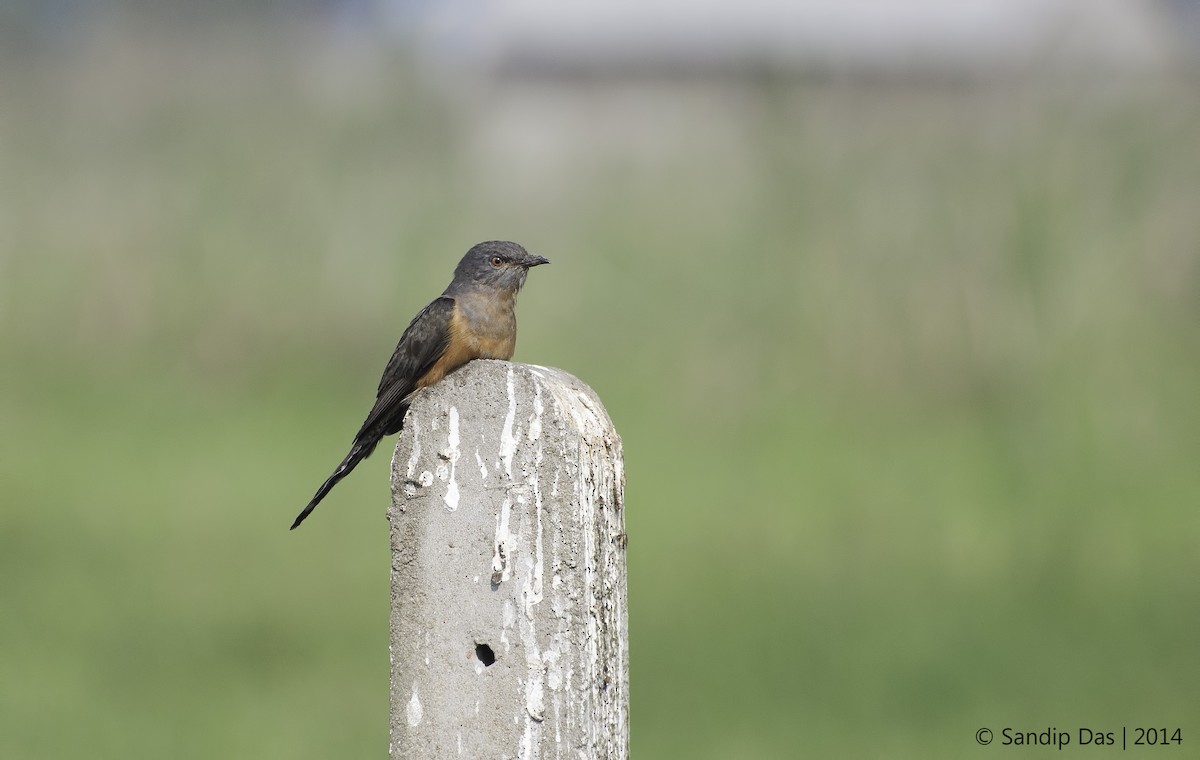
(508, 442)
(539, 562)
(553, 669)
(558, 724)
(507, 621)
(482, 466)
(535, 703)
(415, 456)
(451, 497)
(535, 420)
(425, 478)
(413, 711)
(527, 743)
(533, 566)
(504, 539)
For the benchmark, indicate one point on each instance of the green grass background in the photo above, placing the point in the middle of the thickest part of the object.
(907, 375)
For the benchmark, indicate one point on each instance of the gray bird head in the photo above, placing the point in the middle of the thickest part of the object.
(496, 264)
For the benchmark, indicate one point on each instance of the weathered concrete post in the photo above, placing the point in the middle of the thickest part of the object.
(508, 622)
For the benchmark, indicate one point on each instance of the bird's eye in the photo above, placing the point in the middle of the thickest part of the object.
(497, 261)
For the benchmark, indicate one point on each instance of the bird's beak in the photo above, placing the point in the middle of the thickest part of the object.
(534, 261)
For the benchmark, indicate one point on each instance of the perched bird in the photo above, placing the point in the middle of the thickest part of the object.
(472, 319)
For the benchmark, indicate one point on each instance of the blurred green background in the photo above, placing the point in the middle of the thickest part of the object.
(906, 372)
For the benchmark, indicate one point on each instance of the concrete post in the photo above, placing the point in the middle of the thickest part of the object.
(508, 621)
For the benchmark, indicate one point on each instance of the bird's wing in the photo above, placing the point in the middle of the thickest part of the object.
(422, 344)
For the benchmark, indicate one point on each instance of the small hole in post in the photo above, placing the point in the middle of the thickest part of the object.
(485, 654)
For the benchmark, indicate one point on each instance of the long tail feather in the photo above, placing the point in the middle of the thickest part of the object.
(358, 452)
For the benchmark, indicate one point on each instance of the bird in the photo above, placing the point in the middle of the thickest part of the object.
(473, 318)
